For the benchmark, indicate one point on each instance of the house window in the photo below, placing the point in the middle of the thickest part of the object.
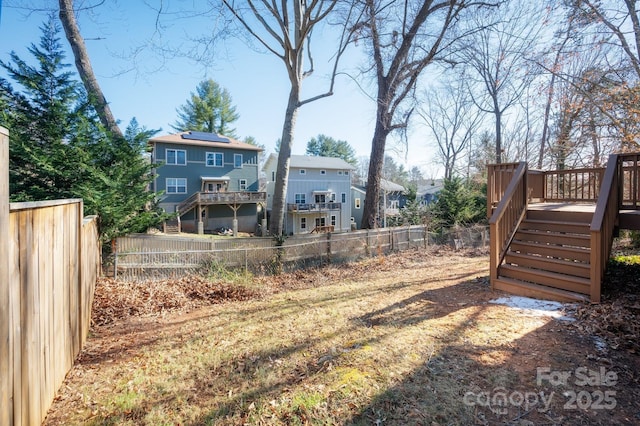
(301, 198)
(303, 223)
(343, 197)
(303, 171)
(176, 157)
(333, 220)
(214, 159)
(323, 172)
(394, 204)
(243, 184)
(333, 197)
(237, 161)
(357, 203)
(339, 172)
(320, 221)
(176, 185)
(346, 172)
(321, 198)
(273, 176)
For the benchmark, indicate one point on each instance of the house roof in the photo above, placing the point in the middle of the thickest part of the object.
(312, 162)
(433, 187)
(388, 186)
(204, 139)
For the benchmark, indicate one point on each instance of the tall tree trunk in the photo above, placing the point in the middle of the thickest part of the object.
(498, 114)
(278, 208)
(83, 64)
(376, 161)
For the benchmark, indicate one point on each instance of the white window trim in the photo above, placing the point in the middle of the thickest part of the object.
(303, 223)
(339, 172)
(166, 185)
(303, 171)
(303, 198)
(343, 197)
(166, 156)
(357, 203)
(242, 184)
(214, 154)
(323, 172)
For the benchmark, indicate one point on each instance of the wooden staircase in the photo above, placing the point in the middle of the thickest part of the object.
(549, 256)
(552, 232)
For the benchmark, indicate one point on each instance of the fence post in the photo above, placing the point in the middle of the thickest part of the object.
(6, 386)
(328, 247)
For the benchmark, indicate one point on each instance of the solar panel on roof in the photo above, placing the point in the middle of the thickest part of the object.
(205, 136)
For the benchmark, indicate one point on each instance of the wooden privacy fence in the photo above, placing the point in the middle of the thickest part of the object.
(49, 262)
(157, 257)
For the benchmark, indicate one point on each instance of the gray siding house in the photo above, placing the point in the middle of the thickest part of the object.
(391, 200)
(209, 179)
(318, 193)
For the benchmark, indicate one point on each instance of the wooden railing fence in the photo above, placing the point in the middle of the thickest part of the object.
(506, 217)
(498, 178)
(49, 260)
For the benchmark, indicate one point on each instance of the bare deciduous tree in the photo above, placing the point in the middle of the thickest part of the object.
(83, 64)
(285, 30)
(452, 118)
(404, 38)
(497, 55)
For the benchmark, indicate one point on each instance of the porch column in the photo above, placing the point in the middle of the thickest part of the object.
(199, 221)
(6, 385)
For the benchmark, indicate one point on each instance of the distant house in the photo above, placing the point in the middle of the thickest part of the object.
(428, 193)
(209, 179)
(318, 193)
(392, 198)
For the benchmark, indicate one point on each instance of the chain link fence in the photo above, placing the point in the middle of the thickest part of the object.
(149, 257)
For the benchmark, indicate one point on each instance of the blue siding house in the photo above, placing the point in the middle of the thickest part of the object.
(209, 179)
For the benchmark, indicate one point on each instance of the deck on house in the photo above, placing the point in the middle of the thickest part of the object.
(551, 232)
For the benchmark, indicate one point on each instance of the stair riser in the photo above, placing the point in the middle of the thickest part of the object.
(535, 291)
(556, 227)
(557, 239)
(553, 251)
(531, 275)
(560, 216)
(578, 269)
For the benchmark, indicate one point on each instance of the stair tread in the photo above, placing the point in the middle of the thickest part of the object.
(548, 274)
(538, 288)
(535, 244)
(559, 234)
(556, 222)
(549, 259)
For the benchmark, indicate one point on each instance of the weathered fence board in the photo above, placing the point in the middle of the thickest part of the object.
(53, 262)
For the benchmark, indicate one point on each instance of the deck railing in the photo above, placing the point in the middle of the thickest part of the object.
(221, 198)
(630, 177)
(573, 185)
(312, 207)
(498, 178)
(507, 217)
(603, 224)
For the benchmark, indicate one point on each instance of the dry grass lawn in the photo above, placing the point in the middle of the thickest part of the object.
(406, 339)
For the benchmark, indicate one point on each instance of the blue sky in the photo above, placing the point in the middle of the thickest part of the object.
(150, 89)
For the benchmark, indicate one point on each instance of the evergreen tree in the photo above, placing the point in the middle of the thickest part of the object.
(325, 146)
(59, 149)
(459, 203)
(43, 161)
(209, 110)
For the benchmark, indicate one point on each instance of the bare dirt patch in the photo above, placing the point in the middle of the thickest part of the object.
(411, 338)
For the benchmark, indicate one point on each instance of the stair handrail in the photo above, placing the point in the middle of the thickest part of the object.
(506, 218)
(188, 203)
(603, 224)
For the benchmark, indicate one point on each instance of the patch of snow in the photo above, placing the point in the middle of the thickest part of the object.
(536, 307)
(601, 345)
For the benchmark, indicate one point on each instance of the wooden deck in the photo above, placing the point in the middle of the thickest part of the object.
(551, 232)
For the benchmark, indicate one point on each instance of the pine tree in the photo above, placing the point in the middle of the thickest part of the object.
(59, 148)
(210, 109)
